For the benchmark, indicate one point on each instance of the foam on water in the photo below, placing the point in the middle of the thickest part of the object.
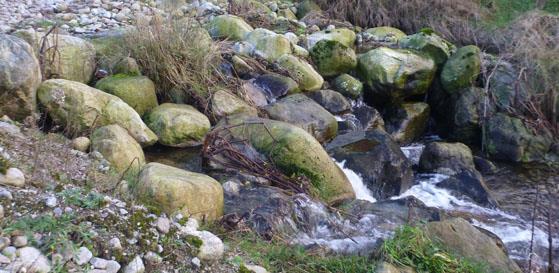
(361, 190)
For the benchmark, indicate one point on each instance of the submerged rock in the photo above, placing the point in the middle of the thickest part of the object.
(377, 158)
(395, 74)
(136, 91)
(20, 77)
(305, 113)
(462, 69)
(293, 151)
(348, 86)
(175, 190)
(407, 122)
(302, 72)
(178, 125)
(461, 238)
(333, 58)
(119, 148)
(229, 27)
(80, 108)
(331, 100)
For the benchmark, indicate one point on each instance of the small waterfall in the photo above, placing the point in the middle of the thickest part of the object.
(361, 190)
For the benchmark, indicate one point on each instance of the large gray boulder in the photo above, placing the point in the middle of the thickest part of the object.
(20, 76)
(80, 108)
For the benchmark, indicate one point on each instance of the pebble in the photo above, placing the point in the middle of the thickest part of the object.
(19, 241)
(163, 225)
(9, 252)
(99, 263)
(112, 267)
(135, 266)
(51, 201)
(83, 256)
(13, 177)
(114, 244)
(4, 242)
(256, 269)
(81, 143)
(6, 194)
(4, 259)
(196, 262)
(152, 258)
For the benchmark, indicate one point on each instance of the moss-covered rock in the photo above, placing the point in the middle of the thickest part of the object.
(178, 125)
(127, 66)
(229, 27)
(462, 69)
(331, 100)
(429, 43)
(447, 158)
(20, 76)
(80, 108)
(136, 91)
(287, 13)
(302, 72)
(173, 190)
(407, 122)
(119, 148)
(333, 58)
(224, 103)
(295, 152)
(344, 36)
(303, 112)
(508, 138)
(467, 109)
(395, 74)
(385, 35)
(348, 86)
(267, 44)
(305, 7)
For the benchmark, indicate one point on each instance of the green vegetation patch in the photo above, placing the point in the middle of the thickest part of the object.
(77, 197)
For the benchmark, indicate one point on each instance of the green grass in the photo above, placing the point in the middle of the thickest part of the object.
(503, 12)
(77, 197)
(410, 247)
(279, 257)
(58, 233)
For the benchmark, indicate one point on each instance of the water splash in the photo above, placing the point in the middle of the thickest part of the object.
(360, 189)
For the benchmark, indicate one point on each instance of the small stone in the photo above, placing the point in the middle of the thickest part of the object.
(19, 241)
(114, 244)
(99, 263)
(4, 259)
(83, 256)
(57, 212)
(163, 224)
(13, 177)
(231, 188)
(196, 262)
(112, 267)
(51, 201)
(135, 266)
(4, 242)
(152, 258)
(33, 260)
(81, 144)
(256, 269)
(9, 252)
(5, 194)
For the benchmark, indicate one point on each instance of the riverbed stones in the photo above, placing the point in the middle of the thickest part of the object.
(119, 148)
(348, 86)
(29, 259)
(135, 266)
(429, 43)
(174, 190)
(331, 100)
(20, 76)
(377, 158)
(301, 111)
(79, 108)
(178, 125)
(446, 158)
(275, 85)
(462, 69)
(224, 103)
(229, 27)
(407, 122)
(294, 152)
(137, 91)
(344, 36)
(395, 74)
(509, 139)
(333, 58)
(268, 44)
(301, 72)
(460, 237)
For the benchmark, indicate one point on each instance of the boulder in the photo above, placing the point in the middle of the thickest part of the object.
(508, 138)
(431, 44)
(333, 58)
(20, 76)
(395, 74)
(224, 103)
(119, 148)
(174, 190)
(305, 7)
(369, 117)
(127, 66)
(305, 113)
(462, 69)
(446, 158)
(302, 72)
(275, 85)
(267, 44)
(293, 151)
(470, 183)
(377, 158)
(331, 100)
(136, 91)
(178, 125)
(229, 27)
(81, 108)
(348, 86)
(344, 36)
(505, 87)
(463, 239)
(466, 113)
(380, 37)
(406, 122)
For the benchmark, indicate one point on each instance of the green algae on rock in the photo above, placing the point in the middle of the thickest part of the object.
(229, 27)
(119, 148)
(178, 125)
(302, 72)
(333, 58)
(462, 69)
(136, 91)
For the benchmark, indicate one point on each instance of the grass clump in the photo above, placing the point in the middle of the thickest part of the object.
(77, 197)
(4, 165)
(277, 256)
(411, 247)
